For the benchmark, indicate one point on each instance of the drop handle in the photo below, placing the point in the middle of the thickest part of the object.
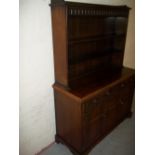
(86, 116)
(95, 101)
(121, 101)
(108, 93)
(104, 116)
(122, 85)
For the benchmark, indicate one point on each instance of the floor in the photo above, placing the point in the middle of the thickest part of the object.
(119, 142)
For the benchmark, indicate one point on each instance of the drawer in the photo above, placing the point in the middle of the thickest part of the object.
(123, 87)
(95, 107)
(112, 116)
(125, 105)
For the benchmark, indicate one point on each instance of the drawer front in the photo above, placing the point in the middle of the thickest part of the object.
(123, 87)
(112, 114)
(117, 110)
(95, 107)
(125, 102)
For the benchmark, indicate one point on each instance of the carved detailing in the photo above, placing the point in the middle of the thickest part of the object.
(82, 11)
(57, 2)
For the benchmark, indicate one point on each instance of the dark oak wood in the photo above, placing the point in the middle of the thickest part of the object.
(93, 91)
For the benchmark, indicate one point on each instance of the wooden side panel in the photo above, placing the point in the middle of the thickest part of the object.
(68, 119)
(59, 23)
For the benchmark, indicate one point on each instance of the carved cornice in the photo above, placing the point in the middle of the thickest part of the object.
(57, 2)
(84, 9)
(105, 11)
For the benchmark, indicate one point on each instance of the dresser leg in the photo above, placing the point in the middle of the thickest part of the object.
(57, 139)
(129, 115)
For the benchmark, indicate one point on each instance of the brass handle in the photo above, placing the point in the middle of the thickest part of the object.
(122, 85)
(121, 101)
(104, 115)
(108, 93)
(86, 116)
(95, 101)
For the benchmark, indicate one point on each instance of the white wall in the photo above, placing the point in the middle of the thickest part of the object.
(37, 121)
(37, 126)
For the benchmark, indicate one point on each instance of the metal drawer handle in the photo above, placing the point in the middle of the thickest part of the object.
(95, 101)
(108, 93)
(104, 116)
(121, 101)
(122, 85)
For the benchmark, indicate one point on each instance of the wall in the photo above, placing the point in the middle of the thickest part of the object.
(37, 121)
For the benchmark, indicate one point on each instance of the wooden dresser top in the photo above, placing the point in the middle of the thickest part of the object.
(93, 88)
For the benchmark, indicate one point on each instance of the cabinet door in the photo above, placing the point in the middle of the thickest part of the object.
(125, 97)
(91, 132)
(92, 124)
(113, 116)
(125, 102)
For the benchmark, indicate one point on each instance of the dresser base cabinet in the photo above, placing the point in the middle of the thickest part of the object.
(84, 117)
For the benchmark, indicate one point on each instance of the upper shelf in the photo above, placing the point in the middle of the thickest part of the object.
(85, 9)
(94, 38)
(88, 39)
